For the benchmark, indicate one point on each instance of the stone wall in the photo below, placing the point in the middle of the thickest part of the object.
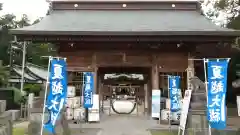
(5, 119)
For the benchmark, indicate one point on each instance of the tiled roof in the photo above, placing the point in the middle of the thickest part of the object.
(88, 22)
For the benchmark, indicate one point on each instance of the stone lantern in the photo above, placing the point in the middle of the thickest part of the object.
(197, 119)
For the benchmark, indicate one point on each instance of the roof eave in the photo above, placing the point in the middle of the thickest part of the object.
(126, 1)
(35, 75)
(29, 70)
(230, 33)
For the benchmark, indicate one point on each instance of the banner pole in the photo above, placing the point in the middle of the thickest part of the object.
(169, 120)
(82, 92)
(159, 108)
(206, 86)
(82, 98)
(81, 104)
(45, 94)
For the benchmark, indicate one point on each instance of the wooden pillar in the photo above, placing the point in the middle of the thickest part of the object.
(155, 75)
(154, 81)
(149, 86)
(95, 72)
(96, 80)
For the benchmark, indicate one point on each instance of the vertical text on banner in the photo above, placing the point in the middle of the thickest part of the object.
(217, 82)
(174, 89)
(88, 90)
(58, 92)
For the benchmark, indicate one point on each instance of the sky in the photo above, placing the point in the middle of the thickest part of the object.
(35, 9)
(32, 8)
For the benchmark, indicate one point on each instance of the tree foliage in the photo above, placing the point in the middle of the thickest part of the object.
(223, 12)
(4, 74)
(19, 97)
(226, 13)
(32, 88)
(11, 52)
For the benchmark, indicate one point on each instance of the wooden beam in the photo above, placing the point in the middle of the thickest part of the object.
(115, 5)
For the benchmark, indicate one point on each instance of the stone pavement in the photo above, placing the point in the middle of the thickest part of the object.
(123, 125)
(115, 125)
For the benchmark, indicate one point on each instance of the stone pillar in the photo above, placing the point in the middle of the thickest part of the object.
(197, 109)
(190, 72)
(30, 103)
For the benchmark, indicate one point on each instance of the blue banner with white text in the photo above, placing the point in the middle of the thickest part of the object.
(217, 87)
(57, 92)
(88, 90)
(174, 93)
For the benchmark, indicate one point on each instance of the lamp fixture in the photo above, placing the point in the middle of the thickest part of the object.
(124, 5)
(75, 5)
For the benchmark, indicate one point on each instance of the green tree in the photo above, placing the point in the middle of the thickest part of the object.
(6, 22)
(24, 21)
(14, 49)
(37, 21)
(4, 74)
(37, 50)
(223, 12)
(227, 14)
(1, 6)
(19, 97)
(32, 88)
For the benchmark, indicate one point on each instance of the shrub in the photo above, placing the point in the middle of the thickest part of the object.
(32, 88)
(18, 96)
